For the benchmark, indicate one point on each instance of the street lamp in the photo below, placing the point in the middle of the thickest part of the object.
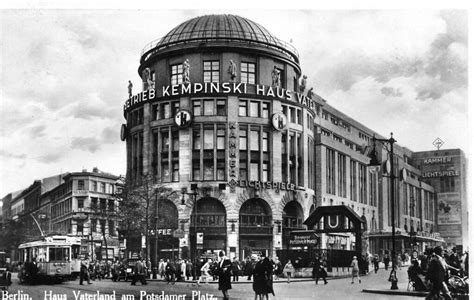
(193, 194)
(374, 162)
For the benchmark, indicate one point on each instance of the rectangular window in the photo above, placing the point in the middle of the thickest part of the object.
(243, 139)
(221, 107)
(94, 186)
(330, 171)
(247, 72)
(175, 172)
(265, 172)
(208, 169)
(111, 205)
(197, 107)
(111, 228)
(211, 71)
(265, 142)
(80, 202)
(254, 109)
(265, 110)
(243, 108)
(341, 174)
(209, 107)
(353, 178)
(93, 225)
(102, 187)
(220, 138)
(196, 138)
(254, 171)
(176, 74)
(80, 184)
(254, 140)
(165, 110)
(208, 139)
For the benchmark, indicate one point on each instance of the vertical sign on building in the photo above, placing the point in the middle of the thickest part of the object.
(232, 156)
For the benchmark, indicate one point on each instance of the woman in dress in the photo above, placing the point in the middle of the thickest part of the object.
(288, 270)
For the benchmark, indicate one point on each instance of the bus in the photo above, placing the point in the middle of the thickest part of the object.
(53, 257)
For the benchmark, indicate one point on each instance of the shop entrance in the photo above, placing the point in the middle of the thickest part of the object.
(255, 228)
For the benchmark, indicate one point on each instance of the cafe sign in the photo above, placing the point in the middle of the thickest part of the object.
(308, 238)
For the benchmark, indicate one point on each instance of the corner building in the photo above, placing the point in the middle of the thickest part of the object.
(220, 120)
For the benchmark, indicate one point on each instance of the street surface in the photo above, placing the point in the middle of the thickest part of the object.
(155, 290)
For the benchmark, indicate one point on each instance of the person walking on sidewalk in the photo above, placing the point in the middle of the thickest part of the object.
(224, 268)
(355, 269)
(375, 261)
(288, 270)
(205, 272)
(318, 271)
(235, 269)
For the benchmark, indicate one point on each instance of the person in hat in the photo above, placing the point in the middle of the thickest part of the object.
(224, 269)
(355, 269)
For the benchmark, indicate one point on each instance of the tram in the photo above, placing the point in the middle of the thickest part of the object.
(53, 257)
(5, 275)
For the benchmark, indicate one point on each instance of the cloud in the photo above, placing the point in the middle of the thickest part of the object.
(7, 154)
(111, 135)
(51, 157)
(390, 91)
(86, 143)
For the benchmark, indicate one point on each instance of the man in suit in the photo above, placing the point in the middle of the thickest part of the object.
(139, 272)
(224, 268)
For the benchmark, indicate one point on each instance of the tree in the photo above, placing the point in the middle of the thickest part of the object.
(136, 206)
(13, 234)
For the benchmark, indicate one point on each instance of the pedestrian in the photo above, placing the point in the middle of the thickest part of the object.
(183, 270)
(235, 269)
(375, 261)
(205, 272)
(169, 272)
(355, 269)
(276, 268)
(161, 268)
(386, 260)
(189, 269)
(436, 274)
(224, 269)
(139, 272)
(318, 271)
(262, 278)
(288, 270)
(84, 272)
(249, 266)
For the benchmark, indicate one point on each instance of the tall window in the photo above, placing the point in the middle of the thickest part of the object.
(208, 158)
(341, 175)
(254, 153)
(311, 167)
(176, 74)
(330, 171)
(247, 72)
(80, 184)
(373, 188)
(137, 157)
(353, 178)
(363, 183)
(284, 157)
(211, 71)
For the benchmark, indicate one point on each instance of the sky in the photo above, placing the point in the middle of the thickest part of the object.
(64, 76)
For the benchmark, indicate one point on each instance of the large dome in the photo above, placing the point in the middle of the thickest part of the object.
(220, 28)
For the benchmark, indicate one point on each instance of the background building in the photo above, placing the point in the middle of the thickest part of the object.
(446, 171)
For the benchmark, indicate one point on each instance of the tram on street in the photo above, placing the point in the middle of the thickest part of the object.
(53, 258)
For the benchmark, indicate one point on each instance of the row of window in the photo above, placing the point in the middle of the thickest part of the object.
(95, 186)
(62, 208)
(212, 70)
(336, 178)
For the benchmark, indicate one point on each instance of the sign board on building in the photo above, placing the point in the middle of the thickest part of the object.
(183, 118)
(307, 238)
(199, 238)
(178, 233)
(449, 208)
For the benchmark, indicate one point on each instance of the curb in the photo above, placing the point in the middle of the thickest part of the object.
(396, 292)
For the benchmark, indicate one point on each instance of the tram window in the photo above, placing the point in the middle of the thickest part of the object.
(75, 251)
(56, 254)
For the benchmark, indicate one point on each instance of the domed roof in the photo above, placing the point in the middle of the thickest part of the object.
(218, 28)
